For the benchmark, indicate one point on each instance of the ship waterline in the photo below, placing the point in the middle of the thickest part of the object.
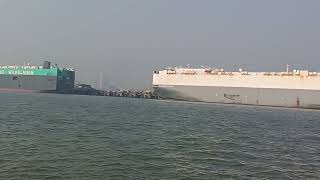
(299, 90)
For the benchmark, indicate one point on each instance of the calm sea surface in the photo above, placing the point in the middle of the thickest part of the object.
(47, 136)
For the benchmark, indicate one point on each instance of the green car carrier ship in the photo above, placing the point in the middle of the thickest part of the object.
(47, 78)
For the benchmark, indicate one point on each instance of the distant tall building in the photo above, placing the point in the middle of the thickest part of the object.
(101, 81)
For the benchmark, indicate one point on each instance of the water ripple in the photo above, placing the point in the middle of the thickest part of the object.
(45, 136)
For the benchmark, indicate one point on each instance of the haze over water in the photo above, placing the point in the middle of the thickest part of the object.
(81, 137)
(127, 40)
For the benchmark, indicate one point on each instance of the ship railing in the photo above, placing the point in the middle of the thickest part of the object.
(171, 72)
(245, 73)
(287, 74)
(281, 74)
(189, 72)
(314, 74)
(213, 72)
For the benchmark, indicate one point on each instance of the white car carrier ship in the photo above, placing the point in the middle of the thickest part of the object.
(299, 88)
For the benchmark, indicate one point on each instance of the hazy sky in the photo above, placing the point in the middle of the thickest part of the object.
(128, 39)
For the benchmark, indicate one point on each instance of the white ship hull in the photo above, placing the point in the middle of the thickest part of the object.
(247, 96)
(299, 91)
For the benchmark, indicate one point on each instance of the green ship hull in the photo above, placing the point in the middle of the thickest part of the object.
(46, 78)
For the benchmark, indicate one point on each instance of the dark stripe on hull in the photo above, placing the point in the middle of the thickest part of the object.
(248, 96)
(17, 90)
(24, 83)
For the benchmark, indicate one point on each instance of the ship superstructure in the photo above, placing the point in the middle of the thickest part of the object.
(46, 78)
(298, 88)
